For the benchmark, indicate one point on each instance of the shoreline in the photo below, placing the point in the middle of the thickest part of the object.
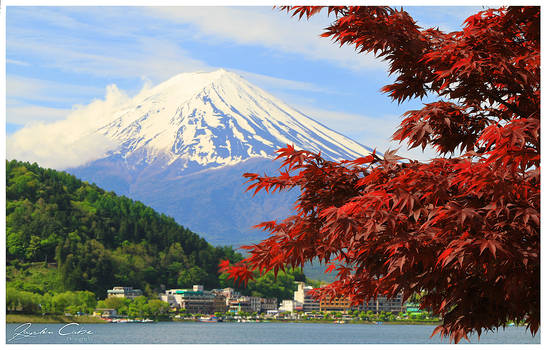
(22, 318)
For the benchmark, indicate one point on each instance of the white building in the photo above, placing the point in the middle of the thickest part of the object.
(303, 296)
(290, 306)
(124, 292)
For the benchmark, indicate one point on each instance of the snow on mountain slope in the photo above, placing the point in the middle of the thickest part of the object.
(214, 119)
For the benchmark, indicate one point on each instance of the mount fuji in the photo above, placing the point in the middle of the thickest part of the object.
(183, 145)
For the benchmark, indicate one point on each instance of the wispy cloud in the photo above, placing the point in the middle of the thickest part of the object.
(446, 18)
(16, 62)
(375, 132)
(96, 41)
(268, 82)
(31, 89)
(147, 57)
(269, 28)
(23, 115)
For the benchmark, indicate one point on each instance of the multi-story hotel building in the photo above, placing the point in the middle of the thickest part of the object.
(194, 301)
(219, 303)
(268, 304)
(383, 304)
(241, 304)
(336, 304)
(376, 305)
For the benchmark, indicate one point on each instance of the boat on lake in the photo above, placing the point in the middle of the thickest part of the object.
(127, 320)
(208, 319)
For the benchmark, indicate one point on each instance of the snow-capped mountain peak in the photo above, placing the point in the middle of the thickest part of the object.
(183, 145)
(213, 119)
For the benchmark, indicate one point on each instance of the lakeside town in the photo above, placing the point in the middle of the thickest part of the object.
(227, 304)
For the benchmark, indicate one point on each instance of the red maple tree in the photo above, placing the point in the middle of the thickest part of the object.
(463, 231)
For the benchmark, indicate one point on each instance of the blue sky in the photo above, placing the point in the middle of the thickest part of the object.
(59, 59)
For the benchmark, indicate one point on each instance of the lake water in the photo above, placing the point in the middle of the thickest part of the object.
(247, 333)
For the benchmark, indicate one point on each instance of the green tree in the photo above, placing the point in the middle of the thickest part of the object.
(157, 308)
(115, 303)
(194, 275)
(12, 299)
(138, 307)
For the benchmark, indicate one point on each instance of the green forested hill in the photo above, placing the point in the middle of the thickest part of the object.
(95, 238)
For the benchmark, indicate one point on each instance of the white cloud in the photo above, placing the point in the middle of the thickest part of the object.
(268, 28)
(268, 82)
(17, 62)
(147, 57)
(446, 18)
(104, 45)
(20, 89)
(69, 142)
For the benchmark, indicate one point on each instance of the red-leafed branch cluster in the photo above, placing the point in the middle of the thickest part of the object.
(462, 231)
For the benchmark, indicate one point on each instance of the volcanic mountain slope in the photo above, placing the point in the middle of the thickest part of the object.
(184, 144)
